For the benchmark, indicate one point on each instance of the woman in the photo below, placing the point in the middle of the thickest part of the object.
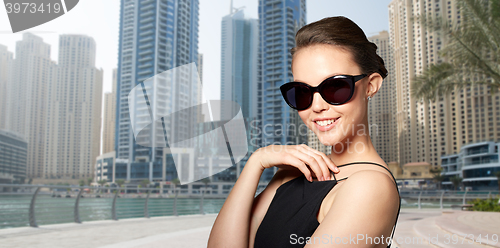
(336, 71)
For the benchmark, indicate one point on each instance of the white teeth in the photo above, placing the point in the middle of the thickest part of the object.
(326, 122)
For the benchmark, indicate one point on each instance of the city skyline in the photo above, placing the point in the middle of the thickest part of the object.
(49, 106)
(372, 18)
(55, 107)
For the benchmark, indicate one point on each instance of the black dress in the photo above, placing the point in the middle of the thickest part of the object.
(292, 212)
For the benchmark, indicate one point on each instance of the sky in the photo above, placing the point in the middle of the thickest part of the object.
(100, 20)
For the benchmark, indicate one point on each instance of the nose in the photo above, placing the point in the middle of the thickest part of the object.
(318, 104)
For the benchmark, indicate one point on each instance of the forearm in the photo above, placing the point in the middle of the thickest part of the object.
(231, 228)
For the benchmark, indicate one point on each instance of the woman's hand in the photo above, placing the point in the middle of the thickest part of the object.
(309, 161)
(242, 213)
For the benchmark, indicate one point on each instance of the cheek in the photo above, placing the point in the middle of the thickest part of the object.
(304, 115)
(350, 113)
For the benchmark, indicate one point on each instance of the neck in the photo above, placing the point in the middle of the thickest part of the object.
(358, 148)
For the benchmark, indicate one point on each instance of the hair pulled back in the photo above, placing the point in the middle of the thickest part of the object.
(342, 32)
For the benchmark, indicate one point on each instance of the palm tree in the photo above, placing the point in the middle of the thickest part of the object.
(456, 181)
(120, 182)
(81, 182)
(205, 181)
(175, 182)
(144, 183)
(102, 182)
(438, 178)
(472, 54)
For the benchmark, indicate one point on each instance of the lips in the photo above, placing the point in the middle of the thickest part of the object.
(325, 124)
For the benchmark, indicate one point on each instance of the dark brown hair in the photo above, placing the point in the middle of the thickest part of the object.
(342, 32)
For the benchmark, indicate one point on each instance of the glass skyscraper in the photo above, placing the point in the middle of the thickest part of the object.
(239, 44)
(155, 36)
(239, 82)
(279, 21)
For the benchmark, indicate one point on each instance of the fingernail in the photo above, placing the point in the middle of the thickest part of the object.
(321, 178)
(310, 179)
(328, 178)
(337, 169)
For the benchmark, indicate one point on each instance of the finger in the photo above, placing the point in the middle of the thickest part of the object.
(297, 163)
(313, 160)
(325, 172)
(325, 163)
(328, 161)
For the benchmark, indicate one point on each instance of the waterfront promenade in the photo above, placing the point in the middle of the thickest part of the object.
(416, 228)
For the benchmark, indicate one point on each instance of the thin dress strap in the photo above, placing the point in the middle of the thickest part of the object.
(394, 228)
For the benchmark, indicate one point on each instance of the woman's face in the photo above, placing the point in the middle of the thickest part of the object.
(312, 65)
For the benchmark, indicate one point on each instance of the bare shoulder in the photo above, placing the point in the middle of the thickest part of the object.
(368, 185)
(367, 204)
(368, 191)
(371, 178)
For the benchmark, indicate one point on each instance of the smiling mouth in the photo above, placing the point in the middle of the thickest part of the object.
(326, 122)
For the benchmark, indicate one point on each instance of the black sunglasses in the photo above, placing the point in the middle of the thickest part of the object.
(335, 90)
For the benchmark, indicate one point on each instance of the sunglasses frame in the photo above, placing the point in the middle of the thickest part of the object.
(351, 80)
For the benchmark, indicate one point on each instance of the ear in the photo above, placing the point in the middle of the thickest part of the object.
(374, 84)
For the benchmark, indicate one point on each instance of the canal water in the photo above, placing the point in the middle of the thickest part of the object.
(14, 209)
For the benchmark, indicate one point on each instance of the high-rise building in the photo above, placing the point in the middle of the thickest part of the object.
(108, 133)
(239, 50)
(381, 108)
(32, 75)
(12, 157)
(154, 36)
(279, 21)
(6, 62)
(428, 130)
(74, 111)
(239, 82)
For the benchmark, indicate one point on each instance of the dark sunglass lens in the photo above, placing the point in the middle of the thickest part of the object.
(336, 90)
(299, 96)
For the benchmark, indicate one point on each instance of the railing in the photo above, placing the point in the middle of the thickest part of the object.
(473, 151)
(442, 198)
(34, 205)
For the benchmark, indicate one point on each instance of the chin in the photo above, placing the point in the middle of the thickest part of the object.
(327, 140)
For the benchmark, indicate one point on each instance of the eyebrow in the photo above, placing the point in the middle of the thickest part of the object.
(336, 74)
(330, 76)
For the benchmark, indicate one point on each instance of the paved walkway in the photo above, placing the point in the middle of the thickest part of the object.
(184, 231)
(415, 228)
(447, 228)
